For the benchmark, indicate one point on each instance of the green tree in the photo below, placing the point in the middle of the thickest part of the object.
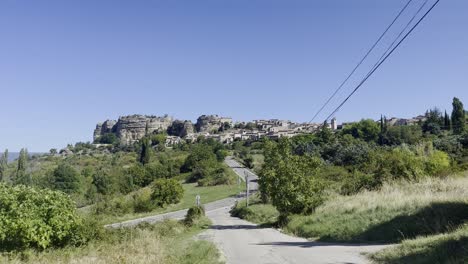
(366, 129)
(103, 182)
(53, 151)
(434, 121)
(65, 178)
(4, 166)
(166, 191)
(37, 218)
(288, 179)
(108, 138)
(145, 154)
(447, 124)
(21, 176)
(458, 117)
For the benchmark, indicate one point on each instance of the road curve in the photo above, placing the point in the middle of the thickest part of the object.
(177, 215)
(243, 242)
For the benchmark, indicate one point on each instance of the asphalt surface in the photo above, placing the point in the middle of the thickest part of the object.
(243, 242)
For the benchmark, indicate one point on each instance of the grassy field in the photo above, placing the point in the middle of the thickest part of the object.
(166, 243)
(398, 211)
(448, 248)
(191, 190)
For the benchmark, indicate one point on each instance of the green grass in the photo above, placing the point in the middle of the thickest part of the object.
(449, 248)
(264, 214)
(167, 242)
(398, 211)
(191, 190)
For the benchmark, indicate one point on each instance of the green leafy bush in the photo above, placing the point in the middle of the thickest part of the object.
(66, 179)
(36, 218)
(359, 181)
(193, 214)
(166, 191)
(142, 201)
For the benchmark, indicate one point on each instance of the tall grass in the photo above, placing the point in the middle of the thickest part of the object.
(448, 248)
(399, 210)
(166, 243)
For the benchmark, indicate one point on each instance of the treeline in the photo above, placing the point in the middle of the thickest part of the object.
(298, 173)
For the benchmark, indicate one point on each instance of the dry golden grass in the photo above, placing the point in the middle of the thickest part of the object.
(165, 243)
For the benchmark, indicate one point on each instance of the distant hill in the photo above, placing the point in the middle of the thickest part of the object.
(14, 155)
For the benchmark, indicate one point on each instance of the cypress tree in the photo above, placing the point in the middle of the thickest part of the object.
(446, 121)
(21, 177)
(458, 116)
(145, 151)
(3, 165)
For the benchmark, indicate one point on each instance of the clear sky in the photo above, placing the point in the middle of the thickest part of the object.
(66, 65)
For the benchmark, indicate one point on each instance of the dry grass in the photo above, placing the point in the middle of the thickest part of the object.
(164, 243)
(398, 211)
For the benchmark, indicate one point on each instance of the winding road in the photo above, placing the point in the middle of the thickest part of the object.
(245, 243)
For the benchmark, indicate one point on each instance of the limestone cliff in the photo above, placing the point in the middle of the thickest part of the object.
(208, 123)
(134, 127)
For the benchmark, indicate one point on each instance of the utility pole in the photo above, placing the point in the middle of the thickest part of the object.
(247, 186)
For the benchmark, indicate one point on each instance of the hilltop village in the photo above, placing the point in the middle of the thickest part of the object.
(130, 129)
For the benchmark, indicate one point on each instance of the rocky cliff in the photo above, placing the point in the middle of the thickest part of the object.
(134, 127)
(208, 123)
(181, 128)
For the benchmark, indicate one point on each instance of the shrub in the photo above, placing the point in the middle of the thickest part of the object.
(36, 218)
(108, 138)
(218, 178)
(142, 201)
(194, 213)
(66, 179)
(437, 162)
(166, 191)
(359, 181)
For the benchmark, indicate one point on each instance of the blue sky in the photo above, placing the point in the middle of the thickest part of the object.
(66, 65)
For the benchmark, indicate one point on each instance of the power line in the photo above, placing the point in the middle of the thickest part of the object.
(362, 60)
(401, 33)
(382, 61)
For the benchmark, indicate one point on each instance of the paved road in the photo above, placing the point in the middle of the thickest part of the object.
(243, 242)
(229, 202)
(177, 215)
(241, 171)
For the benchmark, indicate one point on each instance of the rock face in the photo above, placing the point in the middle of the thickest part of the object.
(208, 123)
(181, 128)
(132, 128)
(104, 128)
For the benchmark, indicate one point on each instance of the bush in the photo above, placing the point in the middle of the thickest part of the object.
(142, 201)
(166, 191)
(108, 138)
(193, 214)
(437, 163)
(66, 179)
(359, 181)
(36, 218)
(220, 177)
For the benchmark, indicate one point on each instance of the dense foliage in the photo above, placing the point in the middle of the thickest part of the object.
(31, 217)
(166, 191)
